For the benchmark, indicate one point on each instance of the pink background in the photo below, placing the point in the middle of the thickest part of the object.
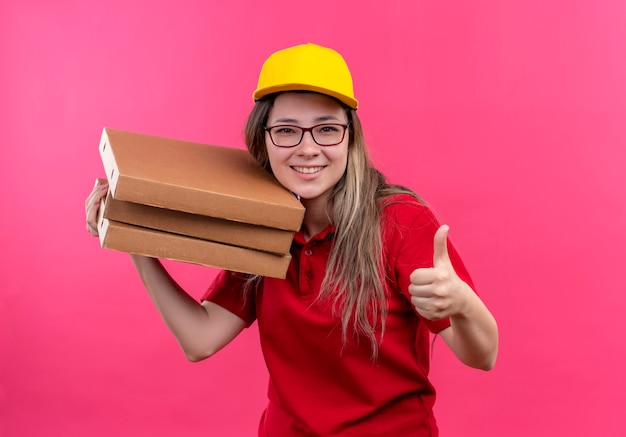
(508, 117)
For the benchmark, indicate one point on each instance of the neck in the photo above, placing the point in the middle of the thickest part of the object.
(316, 217)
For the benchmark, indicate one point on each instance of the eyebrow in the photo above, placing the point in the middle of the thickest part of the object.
(321, 119)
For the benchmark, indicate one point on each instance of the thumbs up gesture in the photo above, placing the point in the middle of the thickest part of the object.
(438, 292)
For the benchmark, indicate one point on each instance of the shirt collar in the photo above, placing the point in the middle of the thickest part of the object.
(327, 232)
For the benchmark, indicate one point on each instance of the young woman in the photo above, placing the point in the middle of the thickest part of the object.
(346, 335)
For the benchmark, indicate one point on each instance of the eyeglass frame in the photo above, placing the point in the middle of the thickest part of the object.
(305, 130)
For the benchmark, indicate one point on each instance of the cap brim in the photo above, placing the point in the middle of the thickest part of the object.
(260, 93)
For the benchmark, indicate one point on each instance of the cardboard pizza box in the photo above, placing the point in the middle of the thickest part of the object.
(198, 226)
(201, 179)
(159, 244)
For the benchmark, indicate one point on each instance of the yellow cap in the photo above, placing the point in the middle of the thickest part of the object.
(307, 67)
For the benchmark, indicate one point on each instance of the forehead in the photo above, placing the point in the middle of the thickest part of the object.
(305, 106)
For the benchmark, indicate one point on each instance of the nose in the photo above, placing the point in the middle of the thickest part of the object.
(308, 146)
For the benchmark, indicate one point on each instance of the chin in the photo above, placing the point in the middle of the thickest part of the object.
(311, 195)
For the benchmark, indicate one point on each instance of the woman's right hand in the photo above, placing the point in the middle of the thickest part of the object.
(92, 205)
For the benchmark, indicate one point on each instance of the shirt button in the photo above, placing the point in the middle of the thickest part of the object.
(308, 252)
(308, 276)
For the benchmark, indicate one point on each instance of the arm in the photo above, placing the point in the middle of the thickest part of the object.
(473, 334)
(438, 293)
(201, 329)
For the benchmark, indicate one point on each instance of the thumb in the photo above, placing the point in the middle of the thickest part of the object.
(440, 255)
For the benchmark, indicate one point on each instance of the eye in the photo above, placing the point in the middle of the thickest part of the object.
(328, 129)
(283, 130)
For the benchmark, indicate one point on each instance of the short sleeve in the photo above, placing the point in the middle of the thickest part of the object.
(410, 230)
(228, 290)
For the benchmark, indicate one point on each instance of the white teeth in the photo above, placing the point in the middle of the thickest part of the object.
(308, 170)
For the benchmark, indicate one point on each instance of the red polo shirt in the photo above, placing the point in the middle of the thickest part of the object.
(319, 386)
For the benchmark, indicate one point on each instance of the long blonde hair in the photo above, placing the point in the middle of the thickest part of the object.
(355, 275)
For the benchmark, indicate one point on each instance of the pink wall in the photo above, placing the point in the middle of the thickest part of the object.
(509, 117)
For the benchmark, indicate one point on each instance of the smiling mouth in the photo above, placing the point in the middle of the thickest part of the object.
(308, 170)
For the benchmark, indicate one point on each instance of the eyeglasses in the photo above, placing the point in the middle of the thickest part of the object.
(328, 134)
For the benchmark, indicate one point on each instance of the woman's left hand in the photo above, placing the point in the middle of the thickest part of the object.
(437, 292)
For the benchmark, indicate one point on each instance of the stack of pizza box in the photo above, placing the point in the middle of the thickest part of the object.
(195, 203)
